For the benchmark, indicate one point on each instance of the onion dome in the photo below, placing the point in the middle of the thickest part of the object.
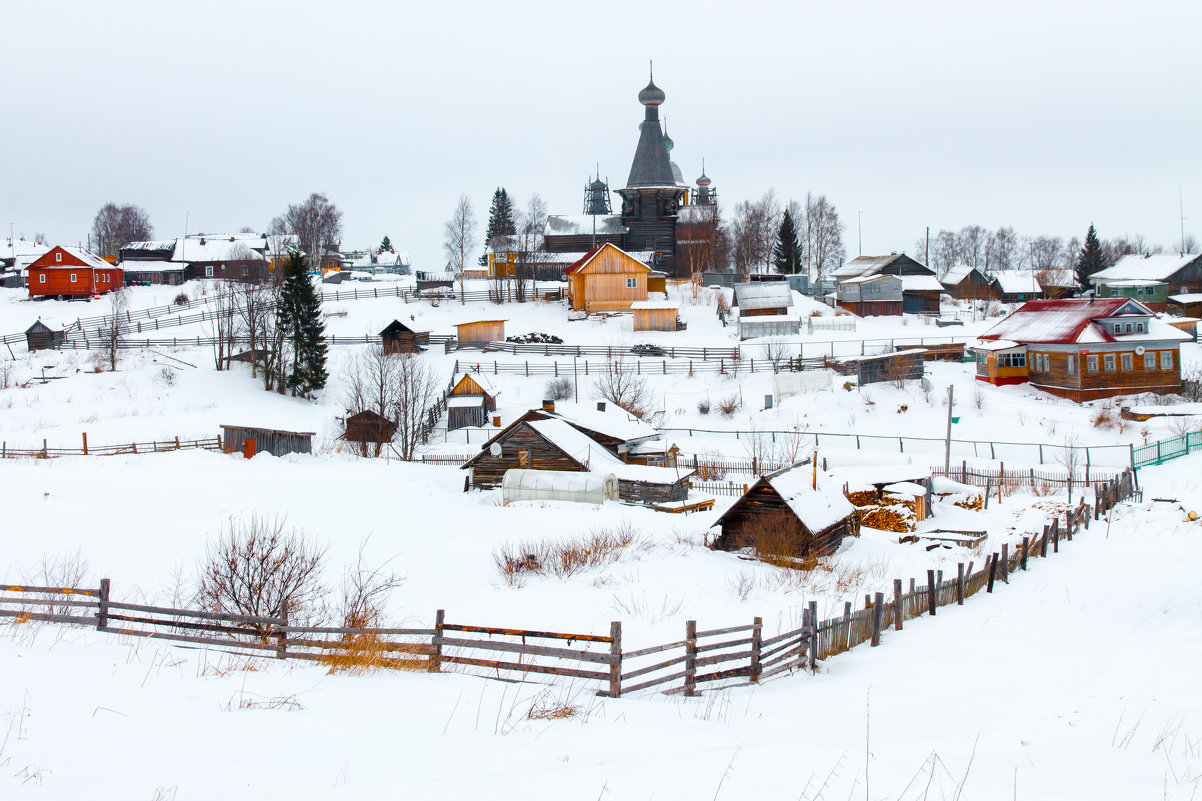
(598, 185)
(703, 181)
(652, 95)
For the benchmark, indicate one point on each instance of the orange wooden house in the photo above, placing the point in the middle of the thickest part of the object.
(72, 272)
(607, 279)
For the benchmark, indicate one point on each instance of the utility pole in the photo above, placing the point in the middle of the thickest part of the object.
(860, 233)
(1181, 212)
(928, 249)
(947, 443)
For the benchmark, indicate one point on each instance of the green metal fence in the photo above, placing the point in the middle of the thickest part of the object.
(1165, 449)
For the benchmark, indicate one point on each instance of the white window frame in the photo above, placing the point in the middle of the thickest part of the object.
(1150, 361)
(1091, 362)
(208, 271)
(1109, 361)
(42, 278)
(1072, 364)
(73, 277)
(1126, 363)
(632, 283)
(1166, 360)
(58, 257)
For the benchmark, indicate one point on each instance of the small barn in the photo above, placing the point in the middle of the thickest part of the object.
(1017, 286)
(435, 280)
(479, 333)
(901, 365)
(40, 336)
(400, 338)
(369, 428)
(250, 440)
(968, 283)
(763, 298)
(1189, 305)
(656, 315)
(793, 512)
(871, 295)
(606, 279)
(470, 401)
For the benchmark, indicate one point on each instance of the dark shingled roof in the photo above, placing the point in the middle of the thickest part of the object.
(651, 166)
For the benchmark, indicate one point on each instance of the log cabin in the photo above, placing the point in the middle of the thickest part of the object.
(542, 439)
(1016, 286)
(920, 288)
(968, 283)
(369, 430)
(871, 295)
(40, 336)
(815, 519)
(72, 273)
(1083, 349)
(606, 279)
(470, 401)
(400, 338)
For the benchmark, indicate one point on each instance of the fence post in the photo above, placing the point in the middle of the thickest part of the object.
(757, 640)
(436, 642)
(1056, 535)
(102, 607)
(960, 584)
(1005, 571)
(615, 652)
(878, 616)
(813, 610)
(899, 605)
(846, 627)
(690, 657)
(281, 636)
(931, 599)
(992, 572)
(1026, 547)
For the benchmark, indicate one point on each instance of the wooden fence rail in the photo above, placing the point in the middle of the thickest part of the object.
(738, 654)
(160, 446)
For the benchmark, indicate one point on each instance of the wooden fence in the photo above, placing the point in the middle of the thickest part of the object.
(1017, 480)
(733, 654)
(46, 452)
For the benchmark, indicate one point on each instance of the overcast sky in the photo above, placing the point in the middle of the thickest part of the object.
(1042, 115)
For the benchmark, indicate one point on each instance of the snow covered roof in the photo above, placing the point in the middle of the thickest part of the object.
(920, 283)
(656, 305)
(864, 265)
(1066, 321)
(1017, 282)
(763, 295)
(583, 262)
(22, 247)
(593, 455)
(1191, 297)
(956, 274)
(151, 244)
(87, 257)
(868, 279)
(993, 345)
(209, 249)
(1132, 282)
(613, 421)
(581, 224)
(460, 401)
(817, 509)
(1157, 267)
(152, 266)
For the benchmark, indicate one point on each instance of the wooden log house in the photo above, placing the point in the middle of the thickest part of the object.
(369, 428)
(400, 338)
(815, 519)
(72, 273)
(606, 279)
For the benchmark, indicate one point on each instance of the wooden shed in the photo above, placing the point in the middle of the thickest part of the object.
(40, 336)
(369, 428)
(480, 333)
(902, 365)
(785, 515)
(656, 315)
(1189, 305)
(871, 295)
(249, 440)
(606, 279)
(400, 338)
(470, 401)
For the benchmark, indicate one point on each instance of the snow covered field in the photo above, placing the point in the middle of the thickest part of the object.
(1089, 660)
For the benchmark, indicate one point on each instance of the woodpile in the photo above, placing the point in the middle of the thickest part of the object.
(973, 503)
(894, 513)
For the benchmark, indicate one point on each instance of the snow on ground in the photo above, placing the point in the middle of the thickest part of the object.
(1076, 681)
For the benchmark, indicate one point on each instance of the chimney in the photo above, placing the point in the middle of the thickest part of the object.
(548, 405)
(600, 406)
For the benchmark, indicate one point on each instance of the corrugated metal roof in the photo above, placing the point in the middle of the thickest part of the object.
(1063, 321)
(763, 295)
(864, 265)
(1158, 267)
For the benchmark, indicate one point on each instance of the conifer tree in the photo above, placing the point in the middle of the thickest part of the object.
(1091, 258)
(786, 254)
(304, 331)
(500, 220)
(386, 245)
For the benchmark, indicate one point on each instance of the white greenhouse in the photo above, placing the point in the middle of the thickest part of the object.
(558, 485)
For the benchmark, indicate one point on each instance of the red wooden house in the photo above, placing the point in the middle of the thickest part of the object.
(72, 272)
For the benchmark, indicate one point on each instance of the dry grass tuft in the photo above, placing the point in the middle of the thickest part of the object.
(358, 654)
(563, 558)
(552, 712)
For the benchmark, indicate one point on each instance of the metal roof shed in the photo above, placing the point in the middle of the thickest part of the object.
(250, 440)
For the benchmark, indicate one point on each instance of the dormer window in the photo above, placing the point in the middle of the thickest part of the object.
(1128, 328)
(58, 257)
(1139, 328)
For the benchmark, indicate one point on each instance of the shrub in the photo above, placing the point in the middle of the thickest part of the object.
(1103, 417)
(181, 299)
(562, 558)
(730, 405)
(558, 389)
(703, 406)
(166, 377)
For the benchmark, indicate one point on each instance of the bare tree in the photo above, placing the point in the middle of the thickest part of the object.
(416, 408)
(1044, 252)
(118, 307)
(116, 226)
(1004, 246)
(823, 236)
(317, 224)
(373, 384)
(775, 350)
(945, 252)
(459, 233)
(365, 593)
(224, 324)
(255, 302)
(530, 223)
(1071, 458)
(260, 568)
(702, 246)
(620, 384)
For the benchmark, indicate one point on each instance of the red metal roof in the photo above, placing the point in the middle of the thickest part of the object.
(576, 265)
(1060, 321)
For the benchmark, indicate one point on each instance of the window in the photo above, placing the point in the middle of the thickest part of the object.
(42, 278)
(1166, 360)
(1093, 363)
(523, 457)
(58, 257)
(1072, 364)
(1109, 362)
(1139, 328)
(1150, 361)
(1126, 364)
(632, 283)
(73, 278)
(209, 271)
(1128, 328)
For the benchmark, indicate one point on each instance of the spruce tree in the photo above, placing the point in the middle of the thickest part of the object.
(500, 220)
(786, 254)
(386, 245)
(1091, 258)
(304, 331)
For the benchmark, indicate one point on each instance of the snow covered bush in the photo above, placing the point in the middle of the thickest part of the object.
(730, 405)
(558, 389)
(703, 406)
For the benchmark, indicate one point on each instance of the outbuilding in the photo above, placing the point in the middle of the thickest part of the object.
(250, 440)
(558, 485)
(794, 512)
(40, 336)
(479, 333)
(370, 430)
(656, 315)
(470, 401)
(400, 338)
